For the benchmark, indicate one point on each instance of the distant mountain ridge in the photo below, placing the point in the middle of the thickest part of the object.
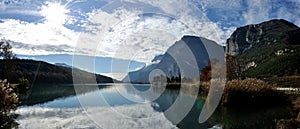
(45, 73)
(103, 64)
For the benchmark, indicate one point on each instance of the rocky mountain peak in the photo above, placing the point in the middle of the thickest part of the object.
(270, 32)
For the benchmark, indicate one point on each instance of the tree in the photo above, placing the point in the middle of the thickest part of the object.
(5, 49)
(9, 59)
(8, 96)
(206, 72)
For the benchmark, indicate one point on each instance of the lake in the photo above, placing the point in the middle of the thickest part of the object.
(131, 106)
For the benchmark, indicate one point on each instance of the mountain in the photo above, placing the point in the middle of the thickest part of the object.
(268, 49)
(42, 72)
(179, 60)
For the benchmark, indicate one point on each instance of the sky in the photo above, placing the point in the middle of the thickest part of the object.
(135, 30)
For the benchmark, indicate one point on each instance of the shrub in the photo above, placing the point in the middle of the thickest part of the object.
(8, 97)
(8, 102)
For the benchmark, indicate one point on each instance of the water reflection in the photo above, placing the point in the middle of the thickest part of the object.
(260, 116)
(42, 93)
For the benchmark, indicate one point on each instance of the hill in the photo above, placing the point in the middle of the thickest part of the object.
(42, 72)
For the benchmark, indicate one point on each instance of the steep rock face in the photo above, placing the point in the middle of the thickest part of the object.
(178, 59)
(266, 33)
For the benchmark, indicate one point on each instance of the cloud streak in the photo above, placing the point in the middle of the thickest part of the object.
(43, 49)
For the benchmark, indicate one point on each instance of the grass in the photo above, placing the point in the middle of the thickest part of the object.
(251, 92)
(285, 81)
(247, 92)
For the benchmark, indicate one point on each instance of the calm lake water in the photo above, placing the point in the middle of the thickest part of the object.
(60, 106)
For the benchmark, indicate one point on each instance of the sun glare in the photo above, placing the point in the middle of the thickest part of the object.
(54, 13)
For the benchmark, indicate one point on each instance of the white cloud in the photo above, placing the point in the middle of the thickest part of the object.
(37, 34)
(132, 34)
(263, 10)
(257, 12)
(222, 4)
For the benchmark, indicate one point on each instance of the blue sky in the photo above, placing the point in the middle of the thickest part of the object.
(129, 29)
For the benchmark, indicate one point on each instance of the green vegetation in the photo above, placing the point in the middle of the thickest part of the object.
(269, 64)
(265, 62)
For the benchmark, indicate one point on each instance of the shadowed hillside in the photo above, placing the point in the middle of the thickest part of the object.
(42, 72)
